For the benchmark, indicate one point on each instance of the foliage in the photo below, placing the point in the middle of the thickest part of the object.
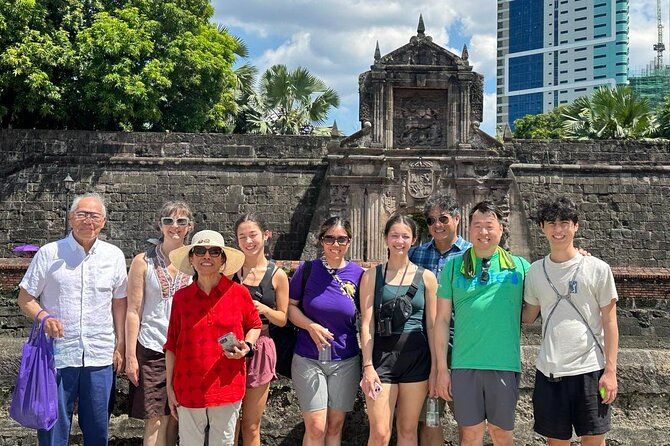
(609, 114)
(663, 119)
(540, 126)
(114, 64)
(289, 102)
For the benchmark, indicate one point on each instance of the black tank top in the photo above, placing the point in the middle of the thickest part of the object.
(264, 292)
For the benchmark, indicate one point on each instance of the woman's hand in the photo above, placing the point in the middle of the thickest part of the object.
(133, 369)
(172, 402)
(370, 382)
(320, 335)
(238, 352)
(261, 308)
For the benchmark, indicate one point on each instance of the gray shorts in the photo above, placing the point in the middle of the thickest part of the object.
(332, 384)
(485, 395)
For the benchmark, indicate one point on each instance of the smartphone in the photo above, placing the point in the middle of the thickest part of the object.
(376, 390)
(228, 342)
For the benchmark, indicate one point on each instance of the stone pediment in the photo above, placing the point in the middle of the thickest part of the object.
(421, 50)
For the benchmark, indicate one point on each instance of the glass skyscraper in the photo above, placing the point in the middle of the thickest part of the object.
(551, 52)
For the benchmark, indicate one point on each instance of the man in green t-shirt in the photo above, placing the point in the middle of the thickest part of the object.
(485, 288)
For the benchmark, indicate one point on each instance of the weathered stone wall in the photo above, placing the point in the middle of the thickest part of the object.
(621, 189)
(220, 176)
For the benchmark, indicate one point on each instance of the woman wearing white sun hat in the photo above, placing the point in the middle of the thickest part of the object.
(213, 327)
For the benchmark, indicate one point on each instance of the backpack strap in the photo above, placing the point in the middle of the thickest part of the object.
(266, 281)
(379, 286)
(416, 282)
(306, 271)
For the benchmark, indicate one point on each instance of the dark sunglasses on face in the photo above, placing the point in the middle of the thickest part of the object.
(444, 219)
(331, 239)
(169, 221)
(486, 264)
(213, 251)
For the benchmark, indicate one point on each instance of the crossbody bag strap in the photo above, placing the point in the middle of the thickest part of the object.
(379, 286)
(416, 282)
(566, 297)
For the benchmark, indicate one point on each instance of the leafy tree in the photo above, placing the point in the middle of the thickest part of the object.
(609, 114)
(290, 101)
(114, 64)
(663, 119)
(541, 126)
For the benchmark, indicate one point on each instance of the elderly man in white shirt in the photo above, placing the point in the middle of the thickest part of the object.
(81, 281)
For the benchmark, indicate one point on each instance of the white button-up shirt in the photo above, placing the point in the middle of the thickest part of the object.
(77, 288)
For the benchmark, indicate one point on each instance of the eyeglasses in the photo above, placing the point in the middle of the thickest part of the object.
(200, 251)
(486, 264)
(444, 219)
(169, 221)
(331, 239)
(83, 215)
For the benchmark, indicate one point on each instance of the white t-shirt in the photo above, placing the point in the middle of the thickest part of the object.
(77, 288)
(568, 348)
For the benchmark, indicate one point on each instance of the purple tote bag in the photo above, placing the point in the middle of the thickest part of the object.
(35, 397)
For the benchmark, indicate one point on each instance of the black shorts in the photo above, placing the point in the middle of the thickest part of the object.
(570, 401)
(403, 358)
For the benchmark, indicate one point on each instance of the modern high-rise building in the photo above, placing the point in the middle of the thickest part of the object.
(551, 52)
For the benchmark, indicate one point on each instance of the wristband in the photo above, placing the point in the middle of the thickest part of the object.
(251, 352)
(367, 365)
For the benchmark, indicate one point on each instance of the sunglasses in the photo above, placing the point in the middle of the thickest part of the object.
(444, 219)
(169, 221)
(486, 264)
(331, 239)
(213, 251)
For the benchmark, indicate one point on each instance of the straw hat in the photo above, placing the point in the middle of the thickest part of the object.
(234, 257)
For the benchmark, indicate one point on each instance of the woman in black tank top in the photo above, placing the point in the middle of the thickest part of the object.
(268, 286)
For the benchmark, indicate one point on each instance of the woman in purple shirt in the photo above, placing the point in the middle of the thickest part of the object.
(326, 364)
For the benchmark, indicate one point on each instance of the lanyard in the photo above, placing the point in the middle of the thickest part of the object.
(566, 297)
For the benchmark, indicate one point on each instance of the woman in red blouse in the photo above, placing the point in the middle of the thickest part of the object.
(213, 327)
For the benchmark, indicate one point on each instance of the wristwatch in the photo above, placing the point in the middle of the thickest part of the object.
(251, 351)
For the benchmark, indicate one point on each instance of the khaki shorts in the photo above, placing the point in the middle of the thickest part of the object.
(220, 419)
(332, 384)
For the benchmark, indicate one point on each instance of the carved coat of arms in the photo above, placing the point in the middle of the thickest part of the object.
(420, 180)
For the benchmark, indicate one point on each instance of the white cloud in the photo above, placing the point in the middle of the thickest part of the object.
(335, 39)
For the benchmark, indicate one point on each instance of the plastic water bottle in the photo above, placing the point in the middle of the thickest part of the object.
(325, 354)
(432, 412)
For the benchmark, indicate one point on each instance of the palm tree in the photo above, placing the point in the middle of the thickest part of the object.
(663, 117)
(609, 114)
(291, 101)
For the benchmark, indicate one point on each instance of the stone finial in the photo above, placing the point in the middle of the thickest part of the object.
(378, 54)
(334, 130)
(464, 54)
(421, 29)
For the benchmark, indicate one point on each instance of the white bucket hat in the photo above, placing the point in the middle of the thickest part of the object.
(234, 257)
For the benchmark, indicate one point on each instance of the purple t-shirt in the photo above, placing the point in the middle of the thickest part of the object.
(325, 304)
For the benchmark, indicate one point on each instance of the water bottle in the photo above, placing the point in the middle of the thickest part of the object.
(432, 412)
(325, 354)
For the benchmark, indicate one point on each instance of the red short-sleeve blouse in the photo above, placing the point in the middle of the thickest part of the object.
(203, 376)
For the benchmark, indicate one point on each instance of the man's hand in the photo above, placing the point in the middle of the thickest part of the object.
(133, 370)
(444, 384)
(609, 382)
(54, 328)
(117, 359)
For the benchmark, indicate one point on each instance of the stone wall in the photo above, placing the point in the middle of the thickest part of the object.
(220, 176)
(620, 187)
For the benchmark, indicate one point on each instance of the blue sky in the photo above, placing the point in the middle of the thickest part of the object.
(335, 39)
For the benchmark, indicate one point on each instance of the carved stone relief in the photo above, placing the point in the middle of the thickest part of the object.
(389, 202)
(420, 179)
(419, 118)
(338, 195)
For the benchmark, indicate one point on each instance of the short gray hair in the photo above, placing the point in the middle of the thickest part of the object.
(97, 196)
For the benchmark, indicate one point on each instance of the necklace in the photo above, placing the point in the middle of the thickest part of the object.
(169, 285)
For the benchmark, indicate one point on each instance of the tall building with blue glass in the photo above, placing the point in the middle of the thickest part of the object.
(551, 52)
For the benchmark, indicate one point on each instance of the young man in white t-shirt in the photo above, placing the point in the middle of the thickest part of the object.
(576, 378)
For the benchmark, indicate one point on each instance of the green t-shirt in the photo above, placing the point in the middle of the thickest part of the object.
(487, 316)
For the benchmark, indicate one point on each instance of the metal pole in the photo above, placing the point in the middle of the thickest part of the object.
(67, 208)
